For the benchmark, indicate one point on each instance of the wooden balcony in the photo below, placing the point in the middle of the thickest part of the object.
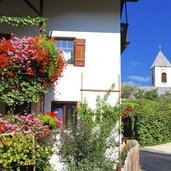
(124, 26)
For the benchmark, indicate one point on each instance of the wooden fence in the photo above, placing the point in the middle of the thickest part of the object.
(132, 160)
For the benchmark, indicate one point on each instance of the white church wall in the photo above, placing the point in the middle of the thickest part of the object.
(158, 73)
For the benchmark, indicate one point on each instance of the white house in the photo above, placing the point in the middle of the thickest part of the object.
(90, 35)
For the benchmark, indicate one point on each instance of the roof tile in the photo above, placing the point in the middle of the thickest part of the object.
(161, 61)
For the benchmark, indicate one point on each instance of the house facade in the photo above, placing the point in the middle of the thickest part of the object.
(89, 33)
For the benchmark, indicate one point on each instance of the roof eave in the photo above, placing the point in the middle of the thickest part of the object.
(132, 0)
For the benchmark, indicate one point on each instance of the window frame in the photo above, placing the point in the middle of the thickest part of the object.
(78, 50)
(69, 39)
(163, 77)
(63, 104)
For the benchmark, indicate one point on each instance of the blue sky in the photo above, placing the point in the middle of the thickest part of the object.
(149, 26)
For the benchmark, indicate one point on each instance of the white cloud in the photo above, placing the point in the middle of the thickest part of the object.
(133, 63)
(139, 78)
(131, 83)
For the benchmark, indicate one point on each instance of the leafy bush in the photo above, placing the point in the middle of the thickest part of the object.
(84, 147)
(134, 92)
(51, 119)
(18, 149)
(150, 120)
(47, 120)
(127, 91)
(151, 94)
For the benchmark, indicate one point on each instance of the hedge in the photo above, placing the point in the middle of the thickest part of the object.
(150, 120)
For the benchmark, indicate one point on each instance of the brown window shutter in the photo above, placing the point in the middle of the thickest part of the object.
(79, 52)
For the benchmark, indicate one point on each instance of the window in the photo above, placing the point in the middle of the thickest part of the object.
(164, 77)
(66, 112)
(6, 36)
(74, 50)
(152, 79)
(67, 47)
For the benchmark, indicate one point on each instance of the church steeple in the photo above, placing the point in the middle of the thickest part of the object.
(161, 71)
(161, 60)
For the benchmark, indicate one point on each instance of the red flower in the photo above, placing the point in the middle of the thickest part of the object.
(11, 74)
(1, 128)
(41, 70)
(44, 63)
(55, 115)
(20, 57)
(30, 71)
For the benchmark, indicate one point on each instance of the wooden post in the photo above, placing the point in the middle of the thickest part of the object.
(118, 167)
(81, 87)
(119, 133)
(42, 98)
(33, 143)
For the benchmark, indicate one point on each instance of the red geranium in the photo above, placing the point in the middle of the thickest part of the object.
(55, 115)
(28, 62)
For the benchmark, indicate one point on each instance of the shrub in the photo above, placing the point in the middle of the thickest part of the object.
(51, 119)
(85, 146)
(25, 142)
(134, 92)
(150, 120)
(47, 120)
(18, 151)
(127, 91)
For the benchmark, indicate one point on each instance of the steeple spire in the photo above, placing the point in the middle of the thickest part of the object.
(161, 60)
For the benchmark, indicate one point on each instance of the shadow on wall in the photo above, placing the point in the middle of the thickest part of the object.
(91, 16)
(84, 16)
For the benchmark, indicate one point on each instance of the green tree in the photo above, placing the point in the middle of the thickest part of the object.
(134, 92)
(127, 91)
(151, 94)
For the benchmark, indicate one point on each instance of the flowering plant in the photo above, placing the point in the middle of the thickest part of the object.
(51, 119)
(56, 117)
(26, 124)
(17, 147)
(28, 66)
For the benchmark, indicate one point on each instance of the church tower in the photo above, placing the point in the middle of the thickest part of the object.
(161, 71)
